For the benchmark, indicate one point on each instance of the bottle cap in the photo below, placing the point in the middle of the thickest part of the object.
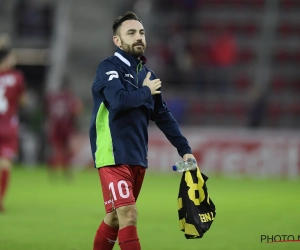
(174, 168)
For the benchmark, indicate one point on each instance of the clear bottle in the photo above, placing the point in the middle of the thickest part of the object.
(182, 166)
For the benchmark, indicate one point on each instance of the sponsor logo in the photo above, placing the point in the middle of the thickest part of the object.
(108, 202)
(128, 75)
(111, 241)
(112, 75)
(207, 217)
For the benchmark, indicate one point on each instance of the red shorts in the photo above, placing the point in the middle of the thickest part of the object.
(9, 146)
(121, 185)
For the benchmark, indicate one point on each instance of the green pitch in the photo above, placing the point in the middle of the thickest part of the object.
(56, 215)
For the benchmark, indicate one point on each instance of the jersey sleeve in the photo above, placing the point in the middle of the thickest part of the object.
(165, 121)
(108, 82)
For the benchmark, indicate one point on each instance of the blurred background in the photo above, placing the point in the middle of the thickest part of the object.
(229, 70)
(230, 73)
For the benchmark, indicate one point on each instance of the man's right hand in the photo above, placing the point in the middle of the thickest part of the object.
(153, 85)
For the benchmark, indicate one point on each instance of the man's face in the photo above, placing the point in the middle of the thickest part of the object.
(131, 38)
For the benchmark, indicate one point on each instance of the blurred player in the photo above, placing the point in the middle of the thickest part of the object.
(126, 96)
(62, 109)
(12, 94)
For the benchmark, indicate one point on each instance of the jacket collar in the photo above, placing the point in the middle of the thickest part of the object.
(129, 59)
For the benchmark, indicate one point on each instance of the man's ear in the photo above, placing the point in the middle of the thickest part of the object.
(117, 41)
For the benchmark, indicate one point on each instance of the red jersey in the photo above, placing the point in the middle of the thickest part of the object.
(12, 87)
(62, 108)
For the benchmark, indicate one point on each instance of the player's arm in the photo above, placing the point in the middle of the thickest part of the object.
(108, 83)
(169, 126)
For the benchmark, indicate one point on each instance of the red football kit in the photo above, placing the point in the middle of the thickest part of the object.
(121, 185)
(61, 109)
(12, 87)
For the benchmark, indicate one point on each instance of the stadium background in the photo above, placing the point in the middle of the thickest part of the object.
(246, 127)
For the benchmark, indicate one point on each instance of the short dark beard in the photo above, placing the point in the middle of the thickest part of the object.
(130, 49)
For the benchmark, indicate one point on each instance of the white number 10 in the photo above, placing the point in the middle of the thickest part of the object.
(120, 183)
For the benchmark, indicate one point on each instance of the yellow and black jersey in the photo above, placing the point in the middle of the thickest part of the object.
(196, 210)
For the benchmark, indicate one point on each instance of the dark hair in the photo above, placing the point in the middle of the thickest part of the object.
(3, 54)
(129, 15)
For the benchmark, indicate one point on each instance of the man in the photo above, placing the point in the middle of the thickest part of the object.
(62, 109)
(12, 89)
(126, 96)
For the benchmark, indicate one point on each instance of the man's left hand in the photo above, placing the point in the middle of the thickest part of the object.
(186, 156)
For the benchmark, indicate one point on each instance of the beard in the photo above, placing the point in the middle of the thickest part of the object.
(136, 49)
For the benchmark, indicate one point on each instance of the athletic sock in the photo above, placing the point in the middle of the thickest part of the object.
(4, 177)
(128, 238)
(106, 237)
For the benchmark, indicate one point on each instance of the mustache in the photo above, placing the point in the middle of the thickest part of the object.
(139, 43)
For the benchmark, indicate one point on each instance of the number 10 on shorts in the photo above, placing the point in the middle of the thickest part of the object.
(122, 187)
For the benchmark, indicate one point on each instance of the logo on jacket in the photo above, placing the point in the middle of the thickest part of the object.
(113, 74)
(128, 75)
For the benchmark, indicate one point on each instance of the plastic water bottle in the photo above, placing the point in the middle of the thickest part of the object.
(182, 166)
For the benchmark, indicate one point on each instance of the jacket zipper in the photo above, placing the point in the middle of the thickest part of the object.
(138, 69)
